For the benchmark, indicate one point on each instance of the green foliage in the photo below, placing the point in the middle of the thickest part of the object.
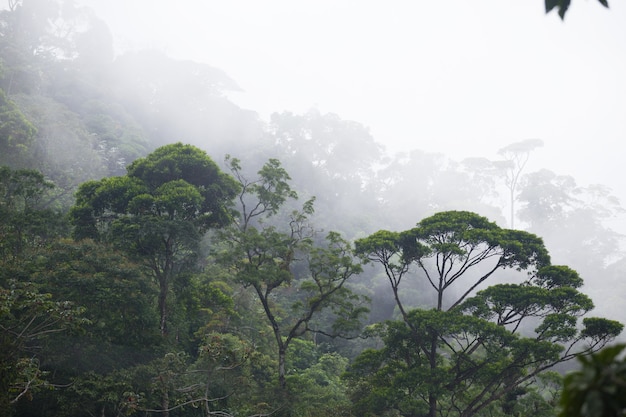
(555, 276)
(16, 132)
(599, 329)
(216, 380)
(459, 243)
(264, 257)
(158, 212)
(175, 182)
(97, 394)
(117, 294)
(28, 317)
(474, 348)
(188, 164)
(318, 390)
(25, 222)
(22, 189)
(598, 389)
(205, 301)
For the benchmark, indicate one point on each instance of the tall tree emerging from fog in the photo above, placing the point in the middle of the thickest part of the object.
(564, 212)
(516, 156)
(333, 159)
(468, 351)
(158, 211)
(270, 251)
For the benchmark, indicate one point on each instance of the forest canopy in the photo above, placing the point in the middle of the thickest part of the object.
(164, 252)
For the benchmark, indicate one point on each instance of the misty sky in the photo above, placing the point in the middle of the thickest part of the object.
(460, 77)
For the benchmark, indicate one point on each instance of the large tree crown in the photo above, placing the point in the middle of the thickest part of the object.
(459, 236)
(176, 182)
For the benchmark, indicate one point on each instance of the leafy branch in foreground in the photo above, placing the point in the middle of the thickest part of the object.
(563, 6)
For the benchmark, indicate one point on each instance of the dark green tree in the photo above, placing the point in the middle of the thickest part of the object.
(158, 212)
(29, 314)
(28, 317)
(118, 296)
(478, 343)
(26, 223)
(318, 387)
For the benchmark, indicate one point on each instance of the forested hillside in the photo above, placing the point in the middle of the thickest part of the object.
(164, 252)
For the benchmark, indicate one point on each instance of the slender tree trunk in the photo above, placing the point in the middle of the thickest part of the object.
(432, 397)
(282, 356)
(164, 277)
(165, 403)
(440, 298)
(282, 345)
(163, 287)
(513, 206)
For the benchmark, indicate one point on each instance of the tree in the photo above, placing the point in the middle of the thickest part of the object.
(97, 277)
(516, 156)
(27, 317)
(16, 133)
(158, 211)
(332, 159)
(319, 388)
(340, 149)
(562, 211)
(477, 343)
(25, 221)
(29, 313)
(267, 258)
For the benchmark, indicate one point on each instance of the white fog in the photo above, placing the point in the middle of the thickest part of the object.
(461, 78)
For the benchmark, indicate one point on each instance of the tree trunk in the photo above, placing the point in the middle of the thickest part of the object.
(164, 277)
(282, 355)
(282, 345)
(165, 403)
(432, 398)
(163, 287)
